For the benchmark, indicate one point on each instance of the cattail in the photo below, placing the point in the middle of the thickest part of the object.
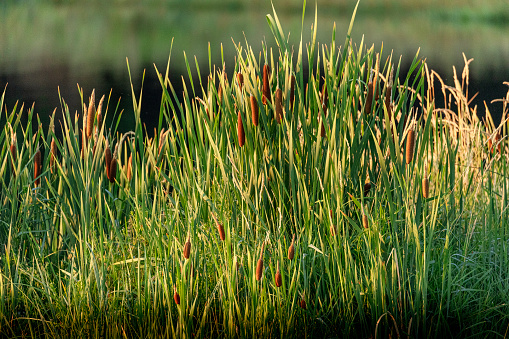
(279, 105)
(112, 172)
(91, 115)
(219, 227)
(369, 98)
(254, 110)
(292, 91)
(176, 296)
(187, 249)
(259, 265)
(367, 188)
(129, 171)
(13, 154)
(266, 89)
(53, 155)
(291, 249)
(278, 279)
(240, 80)
(240, 130)
(425, 184)
(365, 221)
(37, 167)
(302, 303)
(410, 144)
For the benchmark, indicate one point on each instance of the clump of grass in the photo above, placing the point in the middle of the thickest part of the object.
(81, 255)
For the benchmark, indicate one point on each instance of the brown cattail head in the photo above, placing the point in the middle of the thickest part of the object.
(367, 188)
(112, 172)
(91, 115)
(425, 187)
(13, 155)
(240, 130)
(37, 167)
(176, 296)
(266, 88)
(259, 265)
(220, 229)
(302, 303)
(107, 159)
(240, 80)
(365, 221)
(369, 99)
(53, 155)
(425, 184)
(187, 249)
(292, 91)
(254, 110)
(279, 105)
(278, 278)
(410, 144)
(291, 249)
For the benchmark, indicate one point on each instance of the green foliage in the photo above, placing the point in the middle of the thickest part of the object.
(93, 254)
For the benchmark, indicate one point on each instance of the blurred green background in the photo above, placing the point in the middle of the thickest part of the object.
(49, 43)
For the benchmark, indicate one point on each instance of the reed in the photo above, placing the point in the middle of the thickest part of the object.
(259, 265)
(278, 278)
(291, 249)
(91, 115)
(266, 86)
(240, 130)
(187, 248)
(410, 145)
(254, 110)
(112, 170)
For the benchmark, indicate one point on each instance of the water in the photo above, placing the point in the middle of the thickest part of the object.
(49, 45)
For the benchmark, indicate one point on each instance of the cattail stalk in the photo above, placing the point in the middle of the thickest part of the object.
(219, 227)
(425, 184)
(240, 80)
(291, 249)
(365, 221)
(187, 248)
(240, 130)
(259, 265)
(410, 145)
(176, 296)
(278, 278)
(112, 172)
(254, 110)
(266, 88)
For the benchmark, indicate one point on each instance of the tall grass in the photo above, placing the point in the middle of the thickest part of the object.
(200, 232)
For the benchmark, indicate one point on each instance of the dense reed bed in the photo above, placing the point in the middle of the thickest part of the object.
(271, 202)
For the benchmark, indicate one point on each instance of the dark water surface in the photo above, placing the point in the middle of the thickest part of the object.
(46, 46)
